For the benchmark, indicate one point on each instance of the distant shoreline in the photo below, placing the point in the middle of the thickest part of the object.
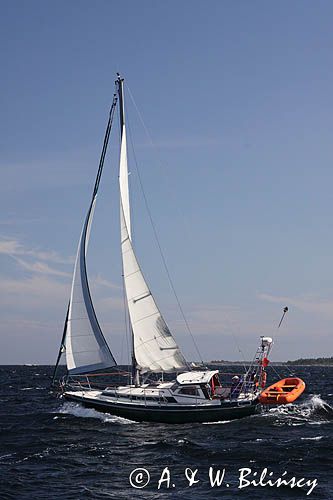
(297, 362)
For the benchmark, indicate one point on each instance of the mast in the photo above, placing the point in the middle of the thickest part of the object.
(126, 212)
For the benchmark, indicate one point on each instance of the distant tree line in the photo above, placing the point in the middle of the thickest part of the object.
(300, 361)
(311, 361)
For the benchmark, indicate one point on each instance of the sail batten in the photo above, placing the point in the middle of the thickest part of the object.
(154, 346)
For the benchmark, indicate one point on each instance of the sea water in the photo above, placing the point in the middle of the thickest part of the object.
(52, 449)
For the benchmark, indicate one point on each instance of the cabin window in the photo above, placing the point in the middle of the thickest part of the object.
(189, 391)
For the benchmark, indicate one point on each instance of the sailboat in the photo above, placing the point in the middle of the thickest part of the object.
(163, 386)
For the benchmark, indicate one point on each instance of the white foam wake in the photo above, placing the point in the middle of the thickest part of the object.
(313, 408)
(79, 411)
(218, 422)
(316, 438)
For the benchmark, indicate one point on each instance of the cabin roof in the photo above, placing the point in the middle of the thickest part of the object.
(196, 377)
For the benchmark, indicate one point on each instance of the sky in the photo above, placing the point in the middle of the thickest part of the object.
(229, 105)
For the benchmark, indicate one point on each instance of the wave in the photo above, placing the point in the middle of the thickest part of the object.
(33, 388)
(79, 411)
(316, 438)
(218, 422)
(313, 410)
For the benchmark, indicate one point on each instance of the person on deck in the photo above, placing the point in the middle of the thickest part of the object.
(235, 387)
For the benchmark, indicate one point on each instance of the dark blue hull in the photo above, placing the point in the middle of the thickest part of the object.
(171, 414)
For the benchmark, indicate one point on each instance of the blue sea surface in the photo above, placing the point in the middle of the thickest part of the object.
(52, 449)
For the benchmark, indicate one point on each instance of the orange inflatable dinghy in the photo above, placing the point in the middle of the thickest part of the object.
(284, 391)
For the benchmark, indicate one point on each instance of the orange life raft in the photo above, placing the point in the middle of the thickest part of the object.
(282, 392)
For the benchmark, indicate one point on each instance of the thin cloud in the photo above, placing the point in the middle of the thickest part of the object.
(13, 247)
(40, 267)
(12, 221)
(215, 319)
(107, 304)
(99, 280)
(38, 262)
(46, 287)
(70, 169)
(45, 293)
(307, 303)
(10, 247)
(24, 324)
(36, 292)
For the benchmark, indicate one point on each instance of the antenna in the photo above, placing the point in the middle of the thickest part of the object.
(285, 310)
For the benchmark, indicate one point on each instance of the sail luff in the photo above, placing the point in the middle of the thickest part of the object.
(123, 182)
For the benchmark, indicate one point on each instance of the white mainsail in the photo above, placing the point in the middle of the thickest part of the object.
(85, 346)
(154, 347)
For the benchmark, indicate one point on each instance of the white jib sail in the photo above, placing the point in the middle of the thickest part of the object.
(85, 346)
(154, 346)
